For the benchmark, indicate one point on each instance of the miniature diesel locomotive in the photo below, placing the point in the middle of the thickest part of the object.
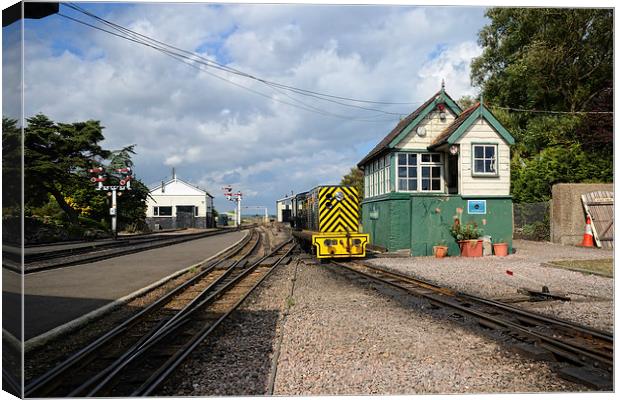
(326, 222)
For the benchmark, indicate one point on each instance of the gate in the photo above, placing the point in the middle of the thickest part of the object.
(600, 207)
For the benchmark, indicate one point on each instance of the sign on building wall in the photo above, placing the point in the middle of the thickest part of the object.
(476, 206)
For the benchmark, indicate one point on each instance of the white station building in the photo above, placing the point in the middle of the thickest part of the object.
(178, 204)
(284, 207)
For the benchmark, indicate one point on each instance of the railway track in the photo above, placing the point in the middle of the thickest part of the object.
(39, 261)
(135, 357)
(590, 351)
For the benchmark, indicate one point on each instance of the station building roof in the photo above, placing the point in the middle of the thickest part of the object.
(408, 123)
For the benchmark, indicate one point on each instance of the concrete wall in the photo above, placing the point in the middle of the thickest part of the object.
(568, 216)
(419, 222)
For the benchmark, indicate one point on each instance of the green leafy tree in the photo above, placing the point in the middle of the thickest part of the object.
(553, 60)
(11, 167)
(466, 101)
(57, 157)
(54, 153)
(355, 178)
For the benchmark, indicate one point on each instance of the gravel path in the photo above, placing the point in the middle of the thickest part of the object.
(591, 295)
(342, 338)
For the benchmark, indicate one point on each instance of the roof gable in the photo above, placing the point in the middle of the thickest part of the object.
(460, 125)
(178, 187)
(406, 125)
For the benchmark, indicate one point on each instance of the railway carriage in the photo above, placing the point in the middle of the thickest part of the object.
(326, 222)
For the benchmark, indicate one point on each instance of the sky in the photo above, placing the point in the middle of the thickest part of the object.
(215, 132)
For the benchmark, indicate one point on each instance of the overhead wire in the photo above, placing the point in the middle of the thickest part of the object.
(186, 55)
(549, 111)
(191, 62)
(215, 64)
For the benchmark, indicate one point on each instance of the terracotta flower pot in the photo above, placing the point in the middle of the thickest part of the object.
(471, 248)
(500, 249)
(440, 251)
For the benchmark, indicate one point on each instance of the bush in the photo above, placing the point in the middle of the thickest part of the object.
(538, 231)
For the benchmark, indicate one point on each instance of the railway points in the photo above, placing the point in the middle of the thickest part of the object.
(545, 337)
(185, 316)
(57, 296)
(180, 369)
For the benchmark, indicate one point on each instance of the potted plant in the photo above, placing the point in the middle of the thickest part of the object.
(500, 248)
(441, 250)
(467, 237)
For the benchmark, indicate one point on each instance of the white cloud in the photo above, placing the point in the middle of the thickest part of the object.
(216, 133)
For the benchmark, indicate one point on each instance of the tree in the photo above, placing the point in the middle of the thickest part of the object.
(355, 178)
(466, 101)
(57, 157)
(558, 60)
(11, 167)
(53, 153)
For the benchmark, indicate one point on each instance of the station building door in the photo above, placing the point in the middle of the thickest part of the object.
(185, 217)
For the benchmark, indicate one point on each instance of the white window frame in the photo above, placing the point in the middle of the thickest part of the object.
(419, 165)
(484, 159)
(407, 165)
(377, 177)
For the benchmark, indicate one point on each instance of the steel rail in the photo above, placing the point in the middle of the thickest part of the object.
(160, 376)
(578, 353)
(35, 387)
(161, 329)
(103, 380)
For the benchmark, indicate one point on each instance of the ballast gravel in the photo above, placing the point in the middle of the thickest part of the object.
(591, 295)
(342, 337)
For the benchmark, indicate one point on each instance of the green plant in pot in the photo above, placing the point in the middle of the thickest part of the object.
(467, 237)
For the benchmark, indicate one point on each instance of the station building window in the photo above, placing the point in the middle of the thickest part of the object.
(162, 211)
(419, 172)
(377, 177)
(484, 159)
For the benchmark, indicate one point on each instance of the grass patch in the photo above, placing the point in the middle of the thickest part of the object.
(603, 266)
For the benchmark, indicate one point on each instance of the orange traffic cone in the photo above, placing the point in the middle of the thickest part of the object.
(587, 236)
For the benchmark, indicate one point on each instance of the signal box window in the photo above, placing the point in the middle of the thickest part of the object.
(485, 159)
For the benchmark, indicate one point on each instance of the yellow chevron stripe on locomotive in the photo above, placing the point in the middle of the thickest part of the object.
(328, 220)
(338, 209)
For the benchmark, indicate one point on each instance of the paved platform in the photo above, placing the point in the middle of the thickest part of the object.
(57, 296)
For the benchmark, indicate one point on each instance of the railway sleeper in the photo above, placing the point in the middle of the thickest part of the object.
(532, 351)
(592, 377)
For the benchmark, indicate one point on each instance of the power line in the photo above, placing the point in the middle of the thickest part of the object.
(550, 112)
(191, 62)
(215, 64)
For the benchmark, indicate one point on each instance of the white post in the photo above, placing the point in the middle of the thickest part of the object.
(238, 211)
(266, 215)
(113, 211)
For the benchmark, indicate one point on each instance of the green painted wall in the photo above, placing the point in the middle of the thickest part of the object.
(391, 228)
(419, 222)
